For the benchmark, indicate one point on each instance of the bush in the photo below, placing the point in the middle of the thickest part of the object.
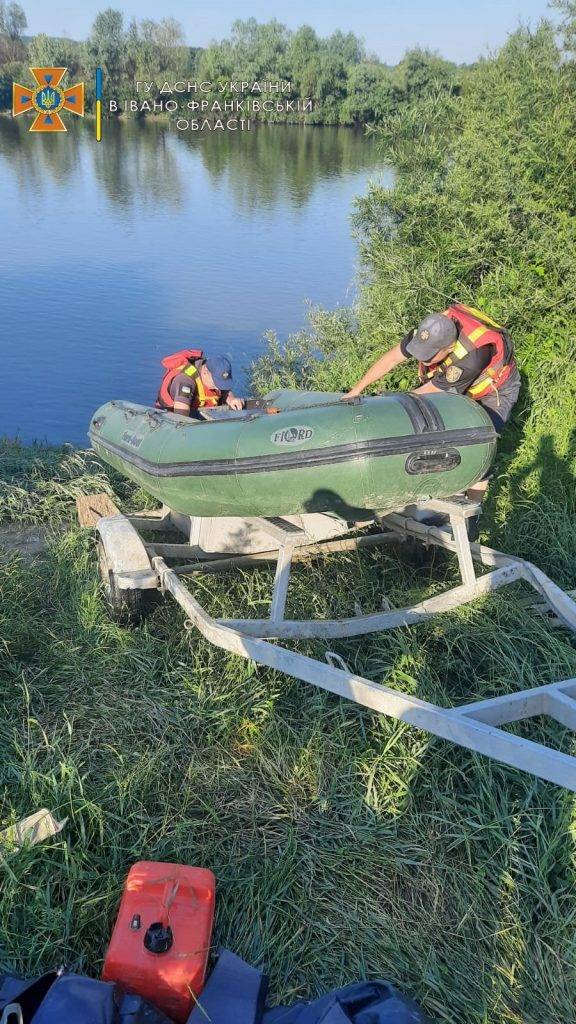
(482, 210)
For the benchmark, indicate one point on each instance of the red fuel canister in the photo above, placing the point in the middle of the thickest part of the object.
(161, 940)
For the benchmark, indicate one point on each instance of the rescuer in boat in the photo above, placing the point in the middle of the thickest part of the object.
(462, 351)
(193, 381)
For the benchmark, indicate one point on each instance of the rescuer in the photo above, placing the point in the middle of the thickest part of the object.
(193, 381)
(461, 351)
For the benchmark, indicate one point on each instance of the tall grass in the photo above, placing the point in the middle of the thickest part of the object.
(345, 844)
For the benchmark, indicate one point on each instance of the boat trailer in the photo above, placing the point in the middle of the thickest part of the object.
(134, 571)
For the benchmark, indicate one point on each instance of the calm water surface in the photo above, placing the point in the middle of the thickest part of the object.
(112, 255)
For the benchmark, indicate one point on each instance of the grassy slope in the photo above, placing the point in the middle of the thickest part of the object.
(344, 845)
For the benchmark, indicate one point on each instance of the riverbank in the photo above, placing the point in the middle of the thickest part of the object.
(344, 845)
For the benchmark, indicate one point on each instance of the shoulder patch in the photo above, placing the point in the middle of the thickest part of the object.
(185, 389)
(453, 374)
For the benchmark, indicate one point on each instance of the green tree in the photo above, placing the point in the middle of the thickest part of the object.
(347, 46)
(155, 48)
(258, 49)
(13, 22)
(170, 43)
(423, 72)
(10, 72)
(304, 46)
(345, 85)
(568, 23)
(371, 94)
(48, 51)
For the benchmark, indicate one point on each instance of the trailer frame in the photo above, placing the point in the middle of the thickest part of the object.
(135, 565)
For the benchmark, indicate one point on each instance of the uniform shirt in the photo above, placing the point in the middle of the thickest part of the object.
(471, 366)
(183, 390)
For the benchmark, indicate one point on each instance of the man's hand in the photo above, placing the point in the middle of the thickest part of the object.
(182, 408)
(353, 393)
(234, 403)
(378, 370)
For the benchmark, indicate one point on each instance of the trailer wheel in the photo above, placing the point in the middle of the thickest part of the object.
(127, 607)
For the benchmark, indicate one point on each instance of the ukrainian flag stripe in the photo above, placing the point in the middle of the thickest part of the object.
(98, 104)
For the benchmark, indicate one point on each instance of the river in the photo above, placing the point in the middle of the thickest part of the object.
(114, 254)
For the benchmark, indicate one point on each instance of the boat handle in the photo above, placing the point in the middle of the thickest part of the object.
(12, 1014)
(432, 460)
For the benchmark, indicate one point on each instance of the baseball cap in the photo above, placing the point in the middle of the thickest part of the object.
(221, 369)
(435, 332)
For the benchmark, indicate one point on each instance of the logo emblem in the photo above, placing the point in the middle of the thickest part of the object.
(292, 435)
(132, 439)
(47, 99)
(453, 373)
(424, 335)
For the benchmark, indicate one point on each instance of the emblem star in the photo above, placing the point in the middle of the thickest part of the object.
(47, 99)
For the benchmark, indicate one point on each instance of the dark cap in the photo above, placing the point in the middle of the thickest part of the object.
(434, 333)
(221, 369)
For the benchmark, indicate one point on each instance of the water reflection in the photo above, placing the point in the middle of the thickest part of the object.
(270, 164)
(40, 159)
(136, 159)
(114, 254)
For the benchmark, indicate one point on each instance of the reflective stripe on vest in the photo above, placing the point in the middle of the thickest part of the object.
(204, 396)
(476, 331)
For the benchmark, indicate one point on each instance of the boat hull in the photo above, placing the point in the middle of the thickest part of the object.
(318, 454)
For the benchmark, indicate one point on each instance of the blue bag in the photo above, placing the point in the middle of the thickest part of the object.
(234, 994)
(28, 993)
(70, 998)
(78, 1000)
(366, 1002)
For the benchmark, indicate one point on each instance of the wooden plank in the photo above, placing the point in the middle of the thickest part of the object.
(92, 507)
(561, 604)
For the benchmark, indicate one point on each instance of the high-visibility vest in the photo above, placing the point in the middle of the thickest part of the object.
(476, 330)
(185, 362)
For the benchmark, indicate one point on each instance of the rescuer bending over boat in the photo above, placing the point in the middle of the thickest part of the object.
(193, 381)
(462, 351)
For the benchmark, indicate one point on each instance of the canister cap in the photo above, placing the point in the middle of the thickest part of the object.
(158, 938)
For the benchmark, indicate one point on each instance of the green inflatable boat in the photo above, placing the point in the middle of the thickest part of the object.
(317, 453)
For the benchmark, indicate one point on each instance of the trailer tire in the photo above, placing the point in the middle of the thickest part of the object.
(126, 607)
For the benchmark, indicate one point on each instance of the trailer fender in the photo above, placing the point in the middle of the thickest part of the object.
(126, 554)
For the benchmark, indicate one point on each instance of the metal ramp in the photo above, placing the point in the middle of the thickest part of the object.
(476, 726)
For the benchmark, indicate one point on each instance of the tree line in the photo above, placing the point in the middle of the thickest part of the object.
(347, 84)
